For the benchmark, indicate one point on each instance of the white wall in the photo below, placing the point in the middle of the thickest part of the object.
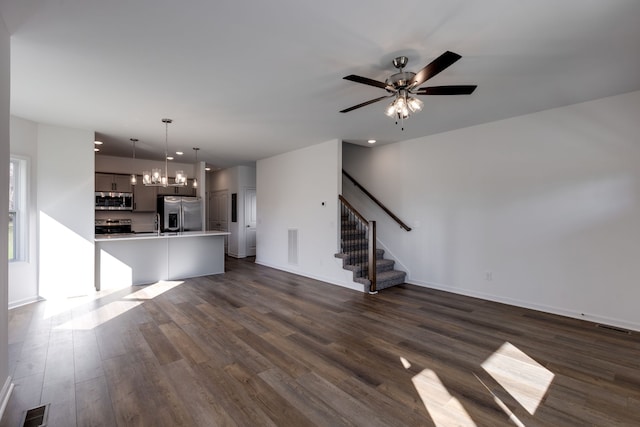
(65, 211)
(548, 203)
(235, 180)
(292, 188)
(5, 379)
(23, 275)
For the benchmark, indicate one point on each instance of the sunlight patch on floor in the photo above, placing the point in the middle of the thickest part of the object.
(523, 378)
(152, 291)
(114, 309)
(515, 420)
(444, 409)
(99, 316)
(57, 306)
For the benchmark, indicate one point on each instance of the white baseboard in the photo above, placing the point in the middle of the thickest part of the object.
(5, 394)
(532, 306)
(331, 281)
(20, 303)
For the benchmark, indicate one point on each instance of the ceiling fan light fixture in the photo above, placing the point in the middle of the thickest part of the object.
(391, 109)
(414, 104)
(404, 84)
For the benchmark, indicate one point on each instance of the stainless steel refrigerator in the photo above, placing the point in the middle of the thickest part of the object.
(180, 213)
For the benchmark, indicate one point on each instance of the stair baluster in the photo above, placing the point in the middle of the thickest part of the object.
(359, 253)
(360, 246)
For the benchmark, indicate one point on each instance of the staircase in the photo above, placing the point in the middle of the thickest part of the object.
(354, 245)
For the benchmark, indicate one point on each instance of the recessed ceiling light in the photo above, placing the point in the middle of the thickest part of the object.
(179, 153)
(207, 169)
(97, 142)
(169, 158)
(96, 149)
(371, 141)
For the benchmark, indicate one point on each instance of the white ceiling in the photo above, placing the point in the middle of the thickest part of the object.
(244, 80)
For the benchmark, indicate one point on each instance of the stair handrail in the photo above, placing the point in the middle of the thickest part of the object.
(352, 209)
(371, 240)
(376, 201)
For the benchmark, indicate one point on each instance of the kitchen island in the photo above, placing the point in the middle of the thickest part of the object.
(138, 259)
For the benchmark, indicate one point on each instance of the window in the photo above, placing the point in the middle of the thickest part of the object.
(17, 209)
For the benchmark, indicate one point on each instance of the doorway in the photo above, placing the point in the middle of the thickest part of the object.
(218, 214)
(250, 219)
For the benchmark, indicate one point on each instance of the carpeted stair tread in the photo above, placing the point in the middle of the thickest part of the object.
(354, 247)
(348, 257)
(382, 265)
(385, 280)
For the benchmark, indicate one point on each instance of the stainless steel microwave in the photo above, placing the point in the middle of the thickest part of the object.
(109, 201)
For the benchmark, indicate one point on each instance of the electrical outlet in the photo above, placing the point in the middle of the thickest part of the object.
(488, 275)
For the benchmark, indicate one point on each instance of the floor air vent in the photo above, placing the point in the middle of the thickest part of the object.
(614, 328)
(36, 417)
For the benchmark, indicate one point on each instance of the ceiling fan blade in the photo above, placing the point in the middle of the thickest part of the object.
(447, 90)
(366, 103)
(436, 66)
(366, 81)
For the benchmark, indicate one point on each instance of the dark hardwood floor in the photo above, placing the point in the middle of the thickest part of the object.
(261, 347)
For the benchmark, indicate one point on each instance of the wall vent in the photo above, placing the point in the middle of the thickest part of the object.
(293, 246)
(36, 417)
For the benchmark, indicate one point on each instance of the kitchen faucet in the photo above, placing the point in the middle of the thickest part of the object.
(156, 224)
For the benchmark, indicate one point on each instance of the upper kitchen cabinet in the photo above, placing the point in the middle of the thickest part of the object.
(144, 197)
(113, 182)
(183, 190)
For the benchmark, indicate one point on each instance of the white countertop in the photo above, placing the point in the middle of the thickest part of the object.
(140, 236)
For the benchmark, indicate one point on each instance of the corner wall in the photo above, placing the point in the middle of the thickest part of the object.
(540, 211)
(5, 379)
(65, 211)
(23, 275)
(299, 191)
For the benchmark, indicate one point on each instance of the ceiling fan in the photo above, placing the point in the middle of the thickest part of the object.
(403, 84)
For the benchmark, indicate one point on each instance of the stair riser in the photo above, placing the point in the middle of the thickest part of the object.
(353, 259)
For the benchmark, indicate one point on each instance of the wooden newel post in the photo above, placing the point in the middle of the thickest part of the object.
(372, 257)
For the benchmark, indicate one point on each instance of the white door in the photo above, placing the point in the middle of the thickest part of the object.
(250, 220)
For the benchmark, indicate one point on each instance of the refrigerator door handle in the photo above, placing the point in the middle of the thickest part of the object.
(181, 217)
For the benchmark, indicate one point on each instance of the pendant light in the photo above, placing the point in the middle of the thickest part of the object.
(134, 179)
(195, 178)
(156, 178)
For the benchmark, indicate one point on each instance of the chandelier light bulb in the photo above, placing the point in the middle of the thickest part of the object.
(181, 178)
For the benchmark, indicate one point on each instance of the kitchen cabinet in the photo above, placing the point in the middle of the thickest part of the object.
(183, 190)
(151, 258)
(144, 198)
(113, 182)
(187, 190)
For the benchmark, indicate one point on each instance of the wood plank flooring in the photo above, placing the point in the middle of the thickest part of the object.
(261, 347)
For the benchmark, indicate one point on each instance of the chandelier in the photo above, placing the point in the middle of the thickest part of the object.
(156, 178)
